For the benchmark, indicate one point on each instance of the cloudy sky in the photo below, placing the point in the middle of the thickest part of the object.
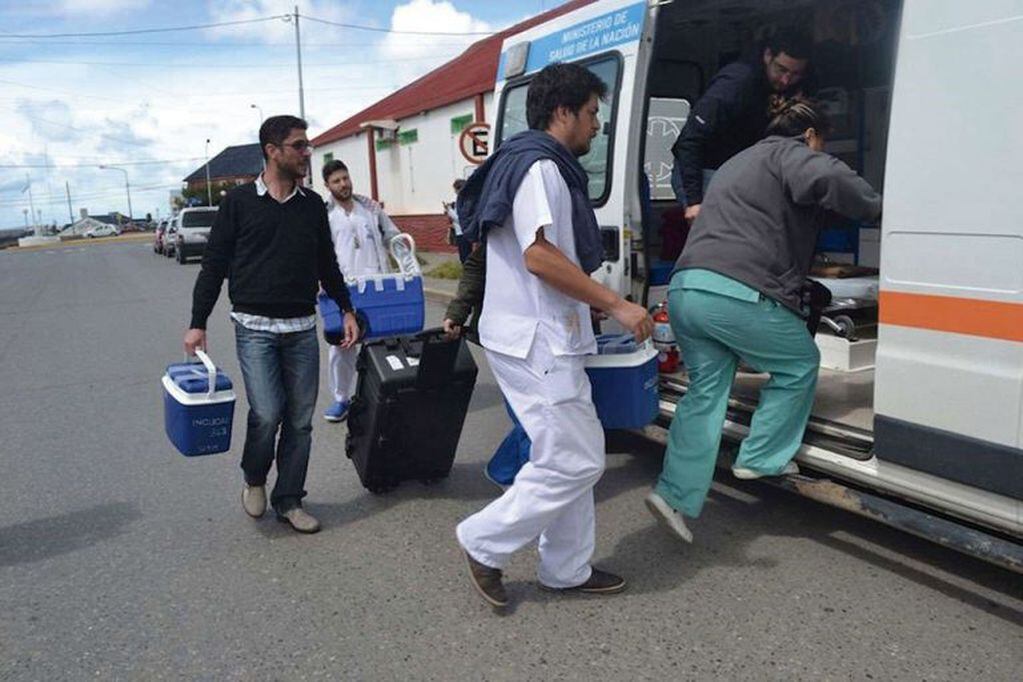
(149, 100)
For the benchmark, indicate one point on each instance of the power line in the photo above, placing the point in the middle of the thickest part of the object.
(61, 92)
(376, 29)
(60, 198)
(219, 45)
(97, 163)
(279, 17)
(137, 31)
(101, 134)
(346, 63)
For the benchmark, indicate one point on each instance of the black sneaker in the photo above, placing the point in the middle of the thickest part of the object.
(487, 582)
(600, 582)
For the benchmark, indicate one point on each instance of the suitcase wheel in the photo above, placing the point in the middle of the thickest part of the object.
(381, 488)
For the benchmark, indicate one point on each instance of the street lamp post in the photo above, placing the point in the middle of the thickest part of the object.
(127, 186)
(260, 110)
(209, 192)
(259, 127)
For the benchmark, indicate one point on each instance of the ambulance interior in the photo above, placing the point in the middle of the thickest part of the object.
(852, 66)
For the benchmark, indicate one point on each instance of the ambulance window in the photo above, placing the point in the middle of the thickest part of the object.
(597, 161)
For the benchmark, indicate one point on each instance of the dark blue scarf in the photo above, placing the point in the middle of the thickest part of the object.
(486, 199)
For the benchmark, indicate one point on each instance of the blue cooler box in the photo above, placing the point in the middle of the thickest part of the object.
(197, 419)
(391, 305)
(624, 379)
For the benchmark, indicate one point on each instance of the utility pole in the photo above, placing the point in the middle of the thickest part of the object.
(127, 186)
(70, 213)
(209, 192)
(31, 204)
(298, 51)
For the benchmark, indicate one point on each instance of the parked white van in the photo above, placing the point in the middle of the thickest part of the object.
(919, 415)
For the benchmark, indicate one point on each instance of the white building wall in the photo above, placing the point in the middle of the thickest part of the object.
(413, 177)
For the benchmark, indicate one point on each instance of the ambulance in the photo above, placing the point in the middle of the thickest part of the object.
(918, 420)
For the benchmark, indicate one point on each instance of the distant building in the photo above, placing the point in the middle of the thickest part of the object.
(403, 150)
(237, 165)
(87, 222)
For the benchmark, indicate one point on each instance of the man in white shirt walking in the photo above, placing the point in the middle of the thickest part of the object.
(529, 204)
(361, 233)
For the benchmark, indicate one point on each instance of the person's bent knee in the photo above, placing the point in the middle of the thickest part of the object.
(265, 419)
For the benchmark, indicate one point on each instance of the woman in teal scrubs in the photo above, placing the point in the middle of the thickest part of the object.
(735, 295)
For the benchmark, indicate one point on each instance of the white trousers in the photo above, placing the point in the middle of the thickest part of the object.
(552, 496)
(342, 372)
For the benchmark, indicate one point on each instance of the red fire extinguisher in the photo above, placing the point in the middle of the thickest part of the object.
(664, 340)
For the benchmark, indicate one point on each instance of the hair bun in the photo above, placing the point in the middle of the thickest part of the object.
(780, 104)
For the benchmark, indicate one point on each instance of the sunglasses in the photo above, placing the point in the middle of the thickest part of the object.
(297, 145)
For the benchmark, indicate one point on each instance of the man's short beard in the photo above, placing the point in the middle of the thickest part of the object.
(293, 172)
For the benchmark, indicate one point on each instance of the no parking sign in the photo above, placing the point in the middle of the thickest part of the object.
(474, 142)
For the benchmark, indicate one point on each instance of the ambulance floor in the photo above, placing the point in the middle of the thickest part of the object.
(843, 397)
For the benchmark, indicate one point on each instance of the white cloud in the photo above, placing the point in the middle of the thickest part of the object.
(430, 16)
(413, 56)
(50, 119)
(93, 7)
(277, 30)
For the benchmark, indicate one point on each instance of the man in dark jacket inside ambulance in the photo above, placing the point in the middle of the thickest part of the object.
(733, 113)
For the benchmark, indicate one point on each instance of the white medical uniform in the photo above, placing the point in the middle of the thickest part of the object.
(356, 240)
(536, 339)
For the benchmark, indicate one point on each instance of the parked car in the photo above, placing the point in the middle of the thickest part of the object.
(193, 228)
(102, 231)
(161, 229)
(169, 236)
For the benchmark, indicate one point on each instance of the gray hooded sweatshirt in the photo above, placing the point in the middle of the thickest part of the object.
(762, 213)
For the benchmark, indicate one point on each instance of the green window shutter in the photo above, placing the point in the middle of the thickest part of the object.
(459, 123)
(328, 157)
(381, 145)
(408, 136)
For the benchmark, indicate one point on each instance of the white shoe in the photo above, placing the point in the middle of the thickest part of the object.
(300, 520)
(748, 474)
(668, 517)
(254, 500)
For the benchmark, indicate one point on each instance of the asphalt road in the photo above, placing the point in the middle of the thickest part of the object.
(120, 559)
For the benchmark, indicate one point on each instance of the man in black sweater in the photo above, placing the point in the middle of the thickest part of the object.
(272, 240)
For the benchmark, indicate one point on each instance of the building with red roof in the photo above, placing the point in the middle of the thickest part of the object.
(403, 150)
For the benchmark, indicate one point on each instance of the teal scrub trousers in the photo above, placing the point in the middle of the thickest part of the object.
(714, 332)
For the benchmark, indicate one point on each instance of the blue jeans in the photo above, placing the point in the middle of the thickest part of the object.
(511, 454)
(282, 376)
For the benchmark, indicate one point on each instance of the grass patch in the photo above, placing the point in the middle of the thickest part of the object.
(447, 270)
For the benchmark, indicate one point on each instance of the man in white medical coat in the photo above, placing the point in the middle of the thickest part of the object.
(361, 233)
(529, 204)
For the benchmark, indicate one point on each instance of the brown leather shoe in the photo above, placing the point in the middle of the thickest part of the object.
(487, 582)
(600, 582)
(300, 520)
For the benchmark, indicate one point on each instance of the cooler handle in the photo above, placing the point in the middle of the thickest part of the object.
(211, 370)
(403, 249)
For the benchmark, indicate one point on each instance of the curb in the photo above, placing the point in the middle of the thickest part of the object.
(438, 295)
(121, 239)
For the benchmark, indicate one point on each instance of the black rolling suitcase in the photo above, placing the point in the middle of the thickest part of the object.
(409, 406)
